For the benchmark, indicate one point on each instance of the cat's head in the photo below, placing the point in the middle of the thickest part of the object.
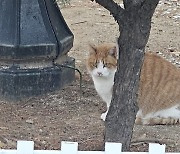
(102, 60)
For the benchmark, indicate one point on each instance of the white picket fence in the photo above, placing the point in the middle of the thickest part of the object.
(27, 147)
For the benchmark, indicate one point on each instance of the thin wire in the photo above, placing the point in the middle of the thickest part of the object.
(71, 67)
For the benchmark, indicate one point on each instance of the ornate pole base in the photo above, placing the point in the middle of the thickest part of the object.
(33, 34)
(17, 83)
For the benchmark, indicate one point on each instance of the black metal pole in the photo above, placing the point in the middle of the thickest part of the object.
(33, 34)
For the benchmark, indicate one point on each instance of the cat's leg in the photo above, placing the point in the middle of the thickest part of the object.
(138, 120)
(160, 121)
(156, 121)
(168, 116)
(103, 115)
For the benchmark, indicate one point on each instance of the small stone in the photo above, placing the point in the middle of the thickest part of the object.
(29, 121)
(3, 128)
(2, 145)
(171, 50)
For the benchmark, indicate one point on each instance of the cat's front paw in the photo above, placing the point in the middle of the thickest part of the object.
(103, 116)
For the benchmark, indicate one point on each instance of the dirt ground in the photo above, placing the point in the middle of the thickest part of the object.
(68, 114)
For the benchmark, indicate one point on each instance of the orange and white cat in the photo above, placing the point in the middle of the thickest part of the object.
(159, 88)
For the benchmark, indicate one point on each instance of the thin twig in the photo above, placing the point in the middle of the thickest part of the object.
(80, 22)
(115, 9)
(146, 140)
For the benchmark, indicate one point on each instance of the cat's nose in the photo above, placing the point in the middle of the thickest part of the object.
(99, 73)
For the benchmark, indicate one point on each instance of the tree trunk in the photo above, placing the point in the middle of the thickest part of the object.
(123, 109)
(134, 23)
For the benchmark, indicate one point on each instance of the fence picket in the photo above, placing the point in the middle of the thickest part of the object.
(69, 147)
(25, 147)
(113, 148)
(156, 148)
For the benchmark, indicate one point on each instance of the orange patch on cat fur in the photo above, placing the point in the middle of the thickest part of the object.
(159, 88)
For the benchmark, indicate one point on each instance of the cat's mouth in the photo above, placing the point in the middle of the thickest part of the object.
(101, 76)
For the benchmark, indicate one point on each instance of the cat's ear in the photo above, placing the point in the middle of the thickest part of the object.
(113, 52)
(92, 49)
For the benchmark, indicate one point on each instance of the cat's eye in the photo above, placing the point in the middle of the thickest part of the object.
(95, 64)
(107, 65)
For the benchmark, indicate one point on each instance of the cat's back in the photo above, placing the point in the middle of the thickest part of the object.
(158, 70)
(159, 83)
(156, 63)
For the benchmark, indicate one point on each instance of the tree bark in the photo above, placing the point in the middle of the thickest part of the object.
(134, 22)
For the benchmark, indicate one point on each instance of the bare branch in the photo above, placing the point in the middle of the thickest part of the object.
(132, 3)
(112, 7)
(148, 7)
